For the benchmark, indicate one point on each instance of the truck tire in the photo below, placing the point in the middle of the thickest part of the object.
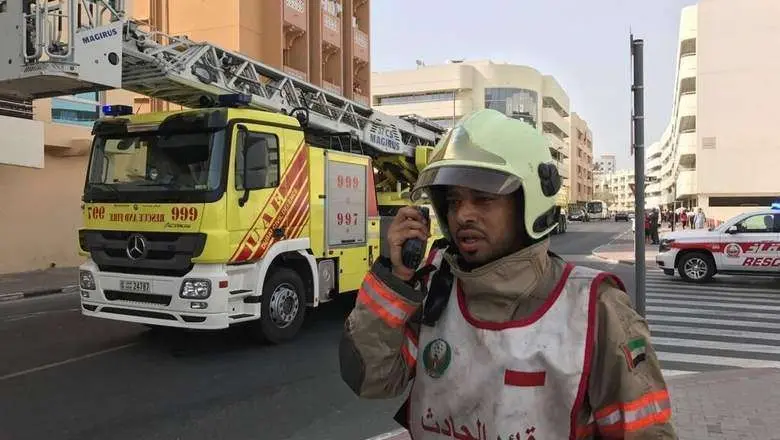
(282, 306)
(696, 267)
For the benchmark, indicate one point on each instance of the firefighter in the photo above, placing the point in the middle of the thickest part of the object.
(500, 337)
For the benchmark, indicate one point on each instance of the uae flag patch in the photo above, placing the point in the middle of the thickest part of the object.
(635, 352)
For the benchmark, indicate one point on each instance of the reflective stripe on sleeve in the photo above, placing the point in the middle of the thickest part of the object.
(383, 302)
(650, 409)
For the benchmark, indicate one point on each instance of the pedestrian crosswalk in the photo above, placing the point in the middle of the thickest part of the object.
(732, 322)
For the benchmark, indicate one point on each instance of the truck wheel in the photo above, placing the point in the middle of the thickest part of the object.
(696, 267)
(282, 306)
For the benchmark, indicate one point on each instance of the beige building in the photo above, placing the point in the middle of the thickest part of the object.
(615, 190)
(580, 161)
(607, 164)
(323, 41)
(446, 92)
(716, 152)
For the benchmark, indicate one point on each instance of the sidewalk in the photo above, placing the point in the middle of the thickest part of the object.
(739, 404)
(39, 282)
(621, 249)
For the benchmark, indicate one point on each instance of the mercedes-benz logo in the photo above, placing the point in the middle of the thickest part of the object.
(136, 247)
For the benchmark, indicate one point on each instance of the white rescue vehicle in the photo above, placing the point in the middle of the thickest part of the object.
(747, 244)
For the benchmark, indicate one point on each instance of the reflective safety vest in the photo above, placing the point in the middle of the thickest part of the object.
(517, 380)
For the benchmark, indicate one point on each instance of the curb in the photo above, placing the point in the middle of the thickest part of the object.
(39, 292)
(611, 261)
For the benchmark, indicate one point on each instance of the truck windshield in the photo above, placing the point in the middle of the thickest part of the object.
(152, 167)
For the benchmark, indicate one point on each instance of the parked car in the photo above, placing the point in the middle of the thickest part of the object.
(578, 216)
(621, 216)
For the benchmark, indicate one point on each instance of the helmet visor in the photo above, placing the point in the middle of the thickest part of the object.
(478, 179)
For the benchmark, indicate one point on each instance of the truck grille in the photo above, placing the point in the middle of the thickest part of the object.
(167, 253)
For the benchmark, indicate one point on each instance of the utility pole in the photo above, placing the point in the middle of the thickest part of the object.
(638, 150)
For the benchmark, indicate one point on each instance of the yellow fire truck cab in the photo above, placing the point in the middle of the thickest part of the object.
(216, 216)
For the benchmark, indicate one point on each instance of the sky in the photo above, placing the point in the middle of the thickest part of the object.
(584, 44)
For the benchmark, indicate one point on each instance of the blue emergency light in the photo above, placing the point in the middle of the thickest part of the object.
(234, 99)
(776, 205)
(117, 110)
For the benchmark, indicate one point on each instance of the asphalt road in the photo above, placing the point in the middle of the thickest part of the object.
(63, 376)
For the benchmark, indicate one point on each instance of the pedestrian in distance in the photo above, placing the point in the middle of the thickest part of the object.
(499, 337)
(655, 223)
(648, 226)
(699, 219)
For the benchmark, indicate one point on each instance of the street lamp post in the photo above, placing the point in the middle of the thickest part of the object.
(638, 150)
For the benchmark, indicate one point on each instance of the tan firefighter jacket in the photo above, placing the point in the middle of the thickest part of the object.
(624, 385)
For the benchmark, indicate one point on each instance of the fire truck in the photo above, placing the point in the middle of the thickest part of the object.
(265, 197)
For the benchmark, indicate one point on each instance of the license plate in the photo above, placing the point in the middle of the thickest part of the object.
(135, 286)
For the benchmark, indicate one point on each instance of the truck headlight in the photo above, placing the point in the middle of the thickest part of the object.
(86, 280)
(195, 289)
(665, 245)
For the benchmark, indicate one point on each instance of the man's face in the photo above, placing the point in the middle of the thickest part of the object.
(483, 225)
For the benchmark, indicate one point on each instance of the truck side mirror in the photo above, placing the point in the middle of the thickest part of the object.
(732, 229)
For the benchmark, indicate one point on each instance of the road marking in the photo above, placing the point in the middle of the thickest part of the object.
(716, 345)
(714, 299)
(14, 318)
(680, 330)
(706, 321)
(708, 312)
(716, 305)
(11, 296)
(724, 361)
(66, 361)
(663, 288)
(614, 238)
(672, 373)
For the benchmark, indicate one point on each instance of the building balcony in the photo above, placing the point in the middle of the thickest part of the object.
(361, 99)
(685, 185)
(360, 48)
(688, 47)
(332, 88)
(687, 105)
(653, 163)
(555, 122)
(686, 144)
(331, 29)
(23, 141)
(295, 14)
(563, 169)
(557, 144)
(688, 67)
(295, 73)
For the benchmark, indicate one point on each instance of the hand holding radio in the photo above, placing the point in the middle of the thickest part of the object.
(407, 238)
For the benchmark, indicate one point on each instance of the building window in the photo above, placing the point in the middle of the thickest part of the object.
(688, 85)
(16, 108)
(513, 102)
(80, 109)
(444, 122)
(688, 47)
(688, 124)
(417, 98)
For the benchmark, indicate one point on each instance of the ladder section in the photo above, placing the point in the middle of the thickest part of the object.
(185, 72)
(59, 47)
